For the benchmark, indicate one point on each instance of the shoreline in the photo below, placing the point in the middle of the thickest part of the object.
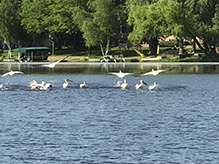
(114, 63)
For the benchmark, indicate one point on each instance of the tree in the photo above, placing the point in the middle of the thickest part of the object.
(9, 22)
(137, 13)
(205, 25)
(181, 18)
(98, 22)
(51, 16)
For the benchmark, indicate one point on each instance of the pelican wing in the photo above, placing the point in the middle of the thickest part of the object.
(120, 74)
(128, 74)
(5, 74)
(51, 65)
(18, 72)
(113, 73)
(12, 73)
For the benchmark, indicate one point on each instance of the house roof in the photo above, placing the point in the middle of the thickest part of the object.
(24, 49)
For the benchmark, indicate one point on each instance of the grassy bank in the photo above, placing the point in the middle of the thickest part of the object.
(167, 54)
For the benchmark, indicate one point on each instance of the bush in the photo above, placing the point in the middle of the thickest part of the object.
(167, 43)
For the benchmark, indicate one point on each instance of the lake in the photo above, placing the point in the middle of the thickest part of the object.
(176, 123)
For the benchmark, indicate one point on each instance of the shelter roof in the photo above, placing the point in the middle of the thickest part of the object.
(24, 49)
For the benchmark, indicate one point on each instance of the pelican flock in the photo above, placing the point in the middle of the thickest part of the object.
(41, 86)
(45, 86)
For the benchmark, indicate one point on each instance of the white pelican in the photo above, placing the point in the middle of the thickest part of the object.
(124, 84)
(120, 74)
(83, 85)
(12, 73)
(151, 87)
(155, 72)
(52, 65)
(140, 86)
(33, 84)
(65, 84)
(42, 86)
(1, 85)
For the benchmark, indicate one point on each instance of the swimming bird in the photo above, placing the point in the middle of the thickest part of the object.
(140, 86)
(83, 85)
(52, 65)
(33, 84)
(12, 73)
(124, 85)
(65, 84)
(155, 72)
(151, 87)
(44, 86)
(120, 74)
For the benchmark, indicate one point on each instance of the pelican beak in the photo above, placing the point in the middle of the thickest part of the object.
(145, 83)
(31, 82)
(69, 80)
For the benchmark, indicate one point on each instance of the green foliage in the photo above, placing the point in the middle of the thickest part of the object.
(162, 18)
(9, 23)
(51, 15)
(184, 19)
(167, 43)
(98, 21)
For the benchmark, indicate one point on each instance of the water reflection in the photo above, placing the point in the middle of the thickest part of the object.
(104, 68)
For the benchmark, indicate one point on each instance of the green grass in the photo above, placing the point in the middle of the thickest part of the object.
(129, 55)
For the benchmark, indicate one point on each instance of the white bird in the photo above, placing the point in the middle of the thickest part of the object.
(12, 73)
(52, 65)
(140, 86)
(120, 74)
(1, 85)
(33, 84)
(65, 84)
(83, 85)
(151, 87)
(124, 84)
(155, 72)
(42, 86)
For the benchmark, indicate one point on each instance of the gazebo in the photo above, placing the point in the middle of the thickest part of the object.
(32, 53)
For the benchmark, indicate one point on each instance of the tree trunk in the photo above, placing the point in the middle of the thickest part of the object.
(107, 48)
(101, 48)
(181, 47)
(213, 51)
(201, 48)
(153, 42)
(89, 50)
(53, 44)
(9, 49)
(194, 45)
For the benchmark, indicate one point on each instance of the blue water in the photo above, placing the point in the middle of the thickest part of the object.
(178, 122)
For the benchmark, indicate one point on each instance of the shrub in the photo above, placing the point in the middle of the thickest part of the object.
(167, 43)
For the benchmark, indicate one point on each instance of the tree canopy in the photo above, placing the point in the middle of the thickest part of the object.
(99, 20)
(9, 22)
(185, 19)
